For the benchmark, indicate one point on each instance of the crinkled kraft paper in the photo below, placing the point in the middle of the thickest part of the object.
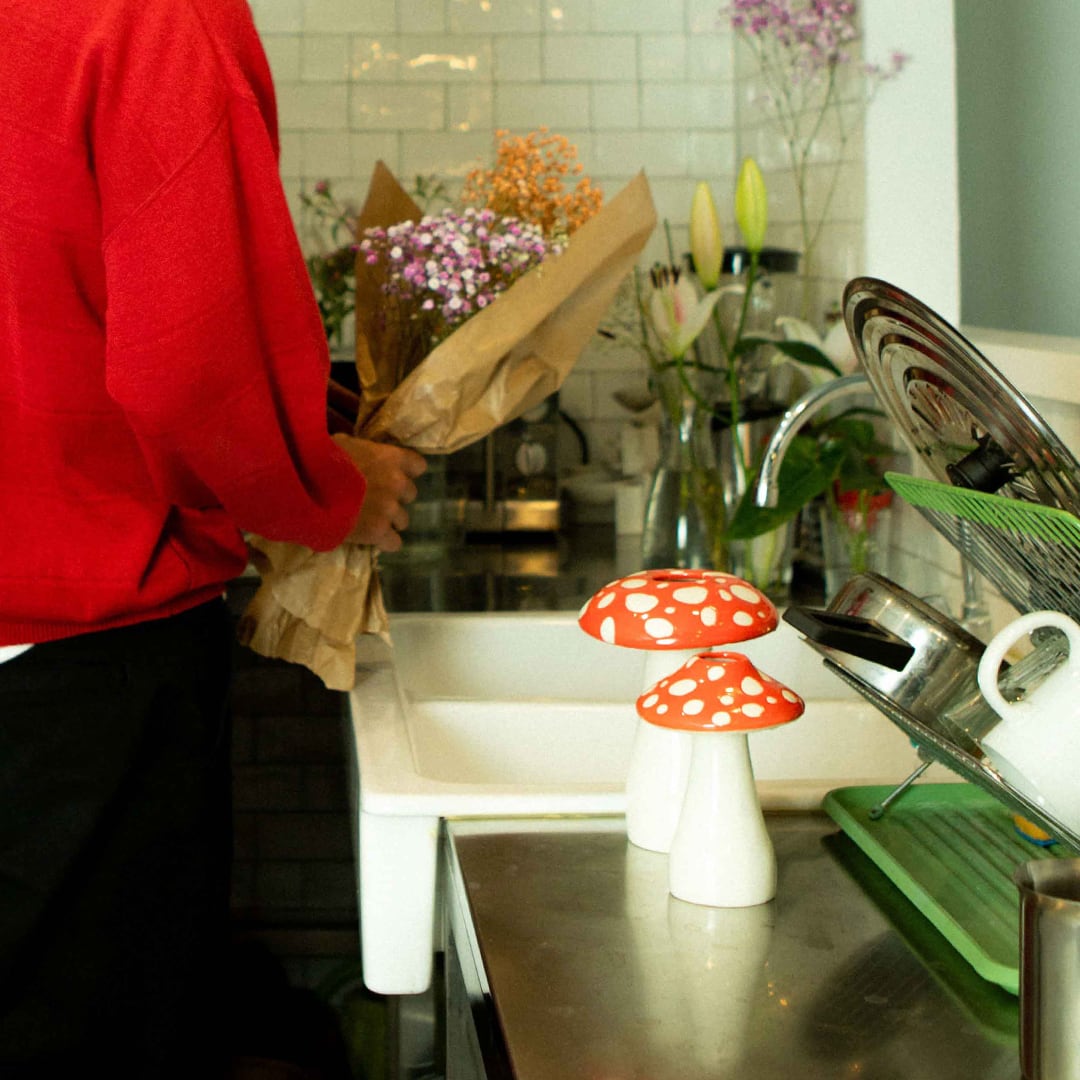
(311, 606)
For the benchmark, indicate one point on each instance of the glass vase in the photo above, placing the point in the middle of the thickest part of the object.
(766, 560)
(435, 520)
(704, 469)
(683, 500)
(855, 535)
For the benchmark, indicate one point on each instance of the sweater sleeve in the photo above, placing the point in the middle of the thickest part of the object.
(214, 347)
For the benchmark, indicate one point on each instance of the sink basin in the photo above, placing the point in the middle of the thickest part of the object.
(502, 714)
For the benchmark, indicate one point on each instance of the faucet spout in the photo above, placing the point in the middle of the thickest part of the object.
(767, 492)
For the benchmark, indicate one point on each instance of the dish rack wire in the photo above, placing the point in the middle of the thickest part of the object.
(1030, 551)
(935, 746)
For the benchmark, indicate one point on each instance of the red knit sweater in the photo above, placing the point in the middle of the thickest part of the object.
(162, 364)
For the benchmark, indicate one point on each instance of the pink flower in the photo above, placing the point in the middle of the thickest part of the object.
(807, 57)
(677, 313)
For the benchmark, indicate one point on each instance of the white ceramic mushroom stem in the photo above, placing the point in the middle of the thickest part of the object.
(659, 766)
(721, 854)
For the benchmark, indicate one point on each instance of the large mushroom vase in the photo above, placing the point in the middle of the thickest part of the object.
(721, 854)
(671, 615)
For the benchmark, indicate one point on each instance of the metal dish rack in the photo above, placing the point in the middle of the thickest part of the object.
(932, 744)
(1031, 553)
(972, 430)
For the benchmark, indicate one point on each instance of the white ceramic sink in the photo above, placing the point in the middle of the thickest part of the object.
(506, 714)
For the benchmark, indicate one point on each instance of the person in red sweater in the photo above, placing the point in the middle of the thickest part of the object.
(163, 381)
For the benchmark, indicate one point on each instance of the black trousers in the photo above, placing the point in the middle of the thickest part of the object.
(115, 850)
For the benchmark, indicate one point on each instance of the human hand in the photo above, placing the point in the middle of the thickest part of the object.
(390, 472)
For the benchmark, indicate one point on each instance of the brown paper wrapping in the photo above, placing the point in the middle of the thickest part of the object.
(311, 606)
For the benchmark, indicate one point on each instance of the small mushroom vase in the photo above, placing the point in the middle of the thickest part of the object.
(721, 854)
(671, 615)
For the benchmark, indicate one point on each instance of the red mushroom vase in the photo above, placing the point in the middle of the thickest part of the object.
(721, 854)
(671, 615)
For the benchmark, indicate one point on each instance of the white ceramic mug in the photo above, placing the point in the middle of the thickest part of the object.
(1036, 744)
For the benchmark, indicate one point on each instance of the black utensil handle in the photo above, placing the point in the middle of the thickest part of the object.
(851, 634)
(987, 468)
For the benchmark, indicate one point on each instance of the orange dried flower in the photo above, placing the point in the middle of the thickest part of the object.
(529, 182)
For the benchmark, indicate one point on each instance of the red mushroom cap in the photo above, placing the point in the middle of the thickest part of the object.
(719, 691)
(678, 609)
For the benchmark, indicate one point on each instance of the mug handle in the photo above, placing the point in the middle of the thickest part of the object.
(1004, 640)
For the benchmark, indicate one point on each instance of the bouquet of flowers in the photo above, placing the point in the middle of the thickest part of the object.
(465, 320)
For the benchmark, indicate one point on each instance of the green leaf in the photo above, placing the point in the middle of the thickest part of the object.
(858, 433)
(860, 474)
(800, 351)
(807, 470)
(856, 414)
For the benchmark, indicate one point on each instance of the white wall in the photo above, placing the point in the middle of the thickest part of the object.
(912, 212)
(1018, 92)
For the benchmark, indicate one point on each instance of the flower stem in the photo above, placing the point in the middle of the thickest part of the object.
(734, 372)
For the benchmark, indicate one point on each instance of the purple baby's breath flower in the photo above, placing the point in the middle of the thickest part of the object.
(808, 59)
(446, 266)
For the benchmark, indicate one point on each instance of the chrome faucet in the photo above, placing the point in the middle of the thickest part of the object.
(975, 617)
(767, 491)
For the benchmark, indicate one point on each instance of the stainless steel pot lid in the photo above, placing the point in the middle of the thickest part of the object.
(957, 413)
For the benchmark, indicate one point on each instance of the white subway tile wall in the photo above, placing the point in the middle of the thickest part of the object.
(424, 84)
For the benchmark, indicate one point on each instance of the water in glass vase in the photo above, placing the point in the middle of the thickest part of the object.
(682, 502)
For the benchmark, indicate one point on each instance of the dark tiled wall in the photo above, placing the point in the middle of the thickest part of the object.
(294, 878)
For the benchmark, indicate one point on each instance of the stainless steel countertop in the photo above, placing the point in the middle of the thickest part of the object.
(594, 971)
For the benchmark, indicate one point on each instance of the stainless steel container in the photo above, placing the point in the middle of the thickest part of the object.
(905, 650)
(1049, 968)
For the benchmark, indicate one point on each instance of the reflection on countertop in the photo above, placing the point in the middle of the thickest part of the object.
(526, 572)
(540, 571)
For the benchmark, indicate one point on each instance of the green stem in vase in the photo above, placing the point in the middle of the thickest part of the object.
(732, 357)
(860, 534)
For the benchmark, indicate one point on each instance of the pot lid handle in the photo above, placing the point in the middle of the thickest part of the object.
(851, 634)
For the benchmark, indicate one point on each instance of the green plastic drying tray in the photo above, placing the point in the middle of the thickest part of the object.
(951, 850)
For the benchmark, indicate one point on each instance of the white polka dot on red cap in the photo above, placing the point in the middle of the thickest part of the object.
(659, 628)
(691, 594)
